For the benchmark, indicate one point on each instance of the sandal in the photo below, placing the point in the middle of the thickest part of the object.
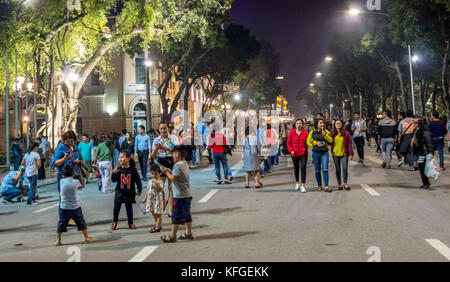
(186, 237)
(154, 230)
(168, 239)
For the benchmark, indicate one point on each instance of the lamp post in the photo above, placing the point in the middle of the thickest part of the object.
(16, 106)
(331, 110)
(148, 63)
(415, 58)
(7, 163)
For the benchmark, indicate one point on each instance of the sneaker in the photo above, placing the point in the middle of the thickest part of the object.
(217, 180)
(131, 226)
(33, 204)
(297, 187)
(425, 186)
(303, 189)
(8, 202)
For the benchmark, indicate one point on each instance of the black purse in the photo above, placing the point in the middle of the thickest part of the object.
(227, 150)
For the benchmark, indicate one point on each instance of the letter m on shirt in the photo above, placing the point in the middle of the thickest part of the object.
(125, 180)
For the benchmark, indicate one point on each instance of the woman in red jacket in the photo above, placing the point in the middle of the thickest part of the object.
(298, 149)
(342, 151)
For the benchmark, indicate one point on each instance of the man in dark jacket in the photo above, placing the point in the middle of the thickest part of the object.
(387, 130)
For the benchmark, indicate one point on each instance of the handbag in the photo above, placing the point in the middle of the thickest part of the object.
(205, 154)
(227, 150)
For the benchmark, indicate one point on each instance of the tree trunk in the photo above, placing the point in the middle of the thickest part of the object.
(399, 76)
(445, 86)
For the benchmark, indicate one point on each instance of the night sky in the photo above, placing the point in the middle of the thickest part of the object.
(300, 31)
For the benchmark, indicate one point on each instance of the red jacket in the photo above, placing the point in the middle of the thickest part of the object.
(297, 143)
(347, 143)
(216, 142)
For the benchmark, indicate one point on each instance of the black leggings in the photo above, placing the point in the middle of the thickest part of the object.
(128, 207)
(300, 162)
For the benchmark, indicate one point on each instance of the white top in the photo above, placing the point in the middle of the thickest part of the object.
(169, 142)
(30, 163)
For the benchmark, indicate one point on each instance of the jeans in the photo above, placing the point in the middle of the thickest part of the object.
(341, 164)
(10, 193)
(359, 143)
(32, 189)
(386, 149)
(300, 165)
(220, 158)
(116, 158)
(438, 145)
(105, 170)
(425, 179)
(143, 159)
(321, 165)
(194, 155)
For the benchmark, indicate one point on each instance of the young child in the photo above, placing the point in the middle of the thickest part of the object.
(181, 195)
(70, 206)
(155, 197)
(127, 178)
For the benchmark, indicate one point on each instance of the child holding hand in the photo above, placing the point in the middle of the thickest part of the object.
(155, 197)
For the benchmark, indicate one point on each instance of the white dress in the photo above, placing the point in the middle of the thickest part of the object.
(155, 201)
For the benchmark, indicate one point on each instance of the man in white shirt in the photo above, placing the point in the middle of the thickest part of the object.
(359, 127)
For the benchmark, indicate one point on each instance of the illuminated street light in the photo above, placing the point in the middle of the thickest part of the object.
(111, 110)
(318, 74)
(354, 12)
(237, 97)
(148, 63)
(280, 77)
(415, 59)
(26, 119)
(311, 85)
(328, 59)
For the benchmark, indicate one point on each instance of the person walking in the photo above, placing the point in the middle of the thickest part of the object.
(406, 129)
(438, 131)
(142, 146)
(250, 157)
(86, 149)
(32, 162)
(342, 151)
(42, 153)
(318, 140)
(217, 142)
(422, 147)
(296, 143)
(387, 131)
(359, 127)
(103, 163)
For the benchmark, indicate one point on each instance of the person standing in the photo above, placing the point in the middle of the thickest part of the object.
(128, 145)
(66, 154)
(250, 156)
(296, 143)
(422, 147)
(342, 151)
(438, 131)
(127, 178)
(32, 162)
(217, 142)
(42, 153)
(359, 127)
(387, 131)
(318, 140)
(86, 148)
(142, 146)
(123, 137)
(16, 154)
(103, 163)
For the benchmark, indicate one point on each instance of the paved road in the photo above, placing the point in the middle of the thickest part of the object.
(385, 217)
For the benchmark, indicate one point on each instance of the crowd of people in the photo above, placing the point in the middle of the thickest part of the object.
(111, 158)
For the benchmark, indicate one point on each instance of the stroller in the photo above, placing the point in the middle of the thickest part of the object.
(23, 185)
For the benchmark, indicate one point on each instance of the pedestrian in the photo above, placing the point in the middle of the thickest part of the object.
(128, 144)
(16, 154)
(342, 151)
(142, 146)
(448, 135)
(406, 130)
(127, 178)
(250, 156)
(217, 141)
(86, 149)
(42, 154)
(162, 152)
(422, 147)
(9, 188)
(103, 163)
(32, 162)
(155, 201)
(66, 154)
(359, 127)
(387, 131)
(318, 140)
(116, 146)
(438, 130)
(70, 208)
(123, 137)
(182, 196)
(298, 149)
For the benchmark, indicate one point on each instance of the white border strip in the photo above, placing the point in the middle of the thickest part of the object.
(47, 208)
(208, 196)
(369, 190)
(143, 254)
(440, 247)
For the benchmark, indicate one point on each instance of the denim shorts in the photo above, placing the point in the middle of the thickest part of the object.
(66, 215)
(181, 210)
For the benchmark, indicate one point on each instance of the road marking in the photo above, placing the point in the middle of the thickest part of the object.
(238, 166)
(440, 247)
(142, 255)
(369, 190)
(208, 196)
(47, 208)
(375, 160)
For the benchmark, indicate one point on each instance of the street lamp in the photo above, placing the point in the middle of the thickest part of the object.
(328, 59)
(411, 60)
(237, 97)
(318, 74)
(311, 85)
(354, 12)
(148, 63)
(331, 110)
